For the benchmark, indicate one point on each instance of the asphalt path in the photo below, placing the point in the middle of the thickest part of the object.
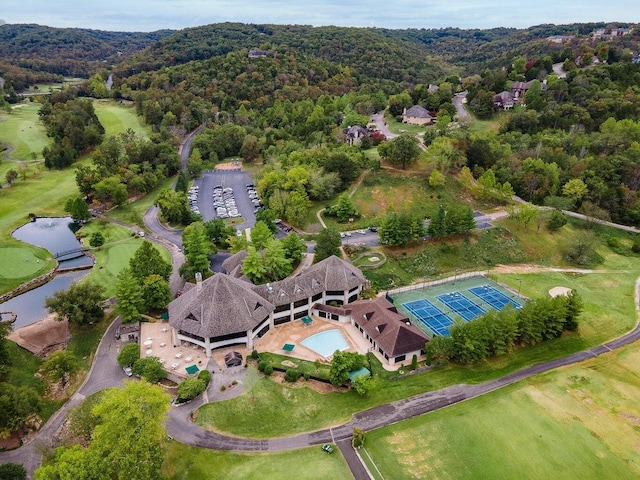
(458, 102)
(378, 119)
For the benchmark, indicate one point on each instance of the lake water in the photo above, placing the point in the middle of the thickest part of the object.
(55, 235)
(30, 305)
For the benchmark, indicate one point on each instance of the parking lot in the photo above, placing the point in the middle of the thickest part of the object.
(224, 194)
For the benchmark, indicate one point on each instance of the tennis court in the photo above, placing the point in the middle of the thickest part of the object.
(493, 297)
(461, 305)
(430, 315)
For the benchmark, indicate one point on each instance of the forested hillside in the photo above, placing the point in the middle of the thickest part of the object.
(66, 51)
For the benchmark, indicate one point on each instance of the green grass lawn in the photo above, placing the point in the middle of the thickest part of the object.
(188, 463)
(133, 212)
(117, 118)
(577, 422)
(41, 192)
(22, 129)
(120, 245)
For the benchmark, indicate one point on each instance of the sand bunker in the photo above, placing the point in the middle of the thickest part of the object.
(557, 291)
(43, 337)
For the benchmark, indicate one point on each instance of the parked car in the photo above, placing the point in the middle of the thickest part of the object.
(128, 371)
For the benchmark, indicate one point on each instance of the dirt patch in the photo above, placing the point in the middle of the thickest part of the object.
(559, 291)
(229, 166)
(43, 337)
(289, 363)
(320, 387)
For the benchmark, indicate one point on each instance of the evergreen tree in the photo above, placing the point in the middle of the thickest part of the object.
(260, 235)
(294, 247)
(129, 296)
(277, 265)
(328, 243)
(196, 248)
(437, 226)
(147, 260)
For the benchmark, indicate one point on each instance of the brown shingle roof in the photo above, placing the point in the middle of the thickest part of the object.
(329, 274)
(222, 305)
(234, 261)
(382, 321)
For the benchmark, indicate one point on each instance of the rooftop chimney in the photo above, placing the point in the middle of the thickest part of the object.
(199, 281)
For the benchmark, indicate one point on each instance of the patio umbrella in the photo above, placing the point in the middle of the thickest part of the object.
(149, 352)
(148, 343)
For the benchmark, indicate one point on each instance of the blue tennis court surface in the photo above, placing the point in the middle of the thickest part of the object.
(493, 297)
(434, 319)
(461, 305)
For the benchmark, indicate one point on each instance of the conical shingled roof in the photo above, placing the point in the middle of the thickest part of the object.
(221, 306)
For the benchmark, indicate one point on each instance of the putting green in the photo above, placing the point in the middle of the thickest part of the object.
(19, 262)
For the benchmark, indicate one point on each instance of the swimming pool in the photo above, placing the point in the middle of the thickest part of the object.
(326, 343)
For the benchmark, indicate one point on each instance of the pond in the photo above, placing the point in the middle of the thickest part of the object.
(55, 235)
(30, 305)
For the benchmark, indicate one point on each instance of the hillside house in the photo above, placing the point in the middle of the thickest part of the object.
(354, 134)
(258, 53)
(503, 100)
(417, 115)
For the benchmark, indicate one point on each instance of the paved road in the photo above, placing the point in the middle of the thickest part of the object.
(557, 69)
(378, 119)
(458, 101)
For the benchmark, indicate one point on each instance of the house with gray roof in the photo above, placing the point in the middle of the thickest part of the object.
(417, 115)
(224, 310)
(504, 100)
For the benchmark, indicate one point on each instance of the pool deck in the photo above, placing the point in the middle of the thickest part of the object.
(294, 332)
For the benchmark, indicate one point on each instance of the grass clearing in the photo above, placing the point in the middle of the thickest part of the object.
(120, 245)
(576, 422)
(133, 212)
(183, 462)
(119, 117)
(23, 130)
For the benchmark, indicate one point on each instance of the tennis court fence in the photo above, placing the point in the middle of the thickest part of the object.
(433, 283)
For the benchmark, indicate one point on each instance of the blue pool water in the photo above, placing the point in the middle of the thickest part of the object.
(326, 343)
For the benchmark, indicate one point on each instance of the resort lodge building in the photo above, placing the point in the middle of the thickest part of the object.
(227, 309)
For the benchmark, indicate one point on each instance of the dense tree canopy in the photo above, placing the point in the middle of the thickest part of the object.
(80, 303)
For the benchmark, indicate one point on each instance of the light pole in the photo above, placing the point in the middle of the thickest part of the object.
(519, 286)
(455, 275)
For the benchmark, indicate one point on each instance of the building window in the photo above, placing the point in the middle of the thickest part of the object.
(317, 296)
(300, 303)
(400, 358)
(282, 308)
(229, 336)
(335, 292)
(263, 331)
(353, 298)
(353, 289)
(280, 321)
(335, 317)
(300, 314)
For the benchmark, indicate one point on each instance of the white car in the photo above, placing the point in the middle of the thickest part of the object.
(128, 371)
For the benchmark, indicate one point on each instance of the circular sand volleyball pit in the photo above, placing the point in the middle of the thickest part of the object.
(558, 291)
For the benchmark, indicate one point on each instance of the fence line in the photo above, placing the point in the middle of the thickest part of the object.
(433, 283)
